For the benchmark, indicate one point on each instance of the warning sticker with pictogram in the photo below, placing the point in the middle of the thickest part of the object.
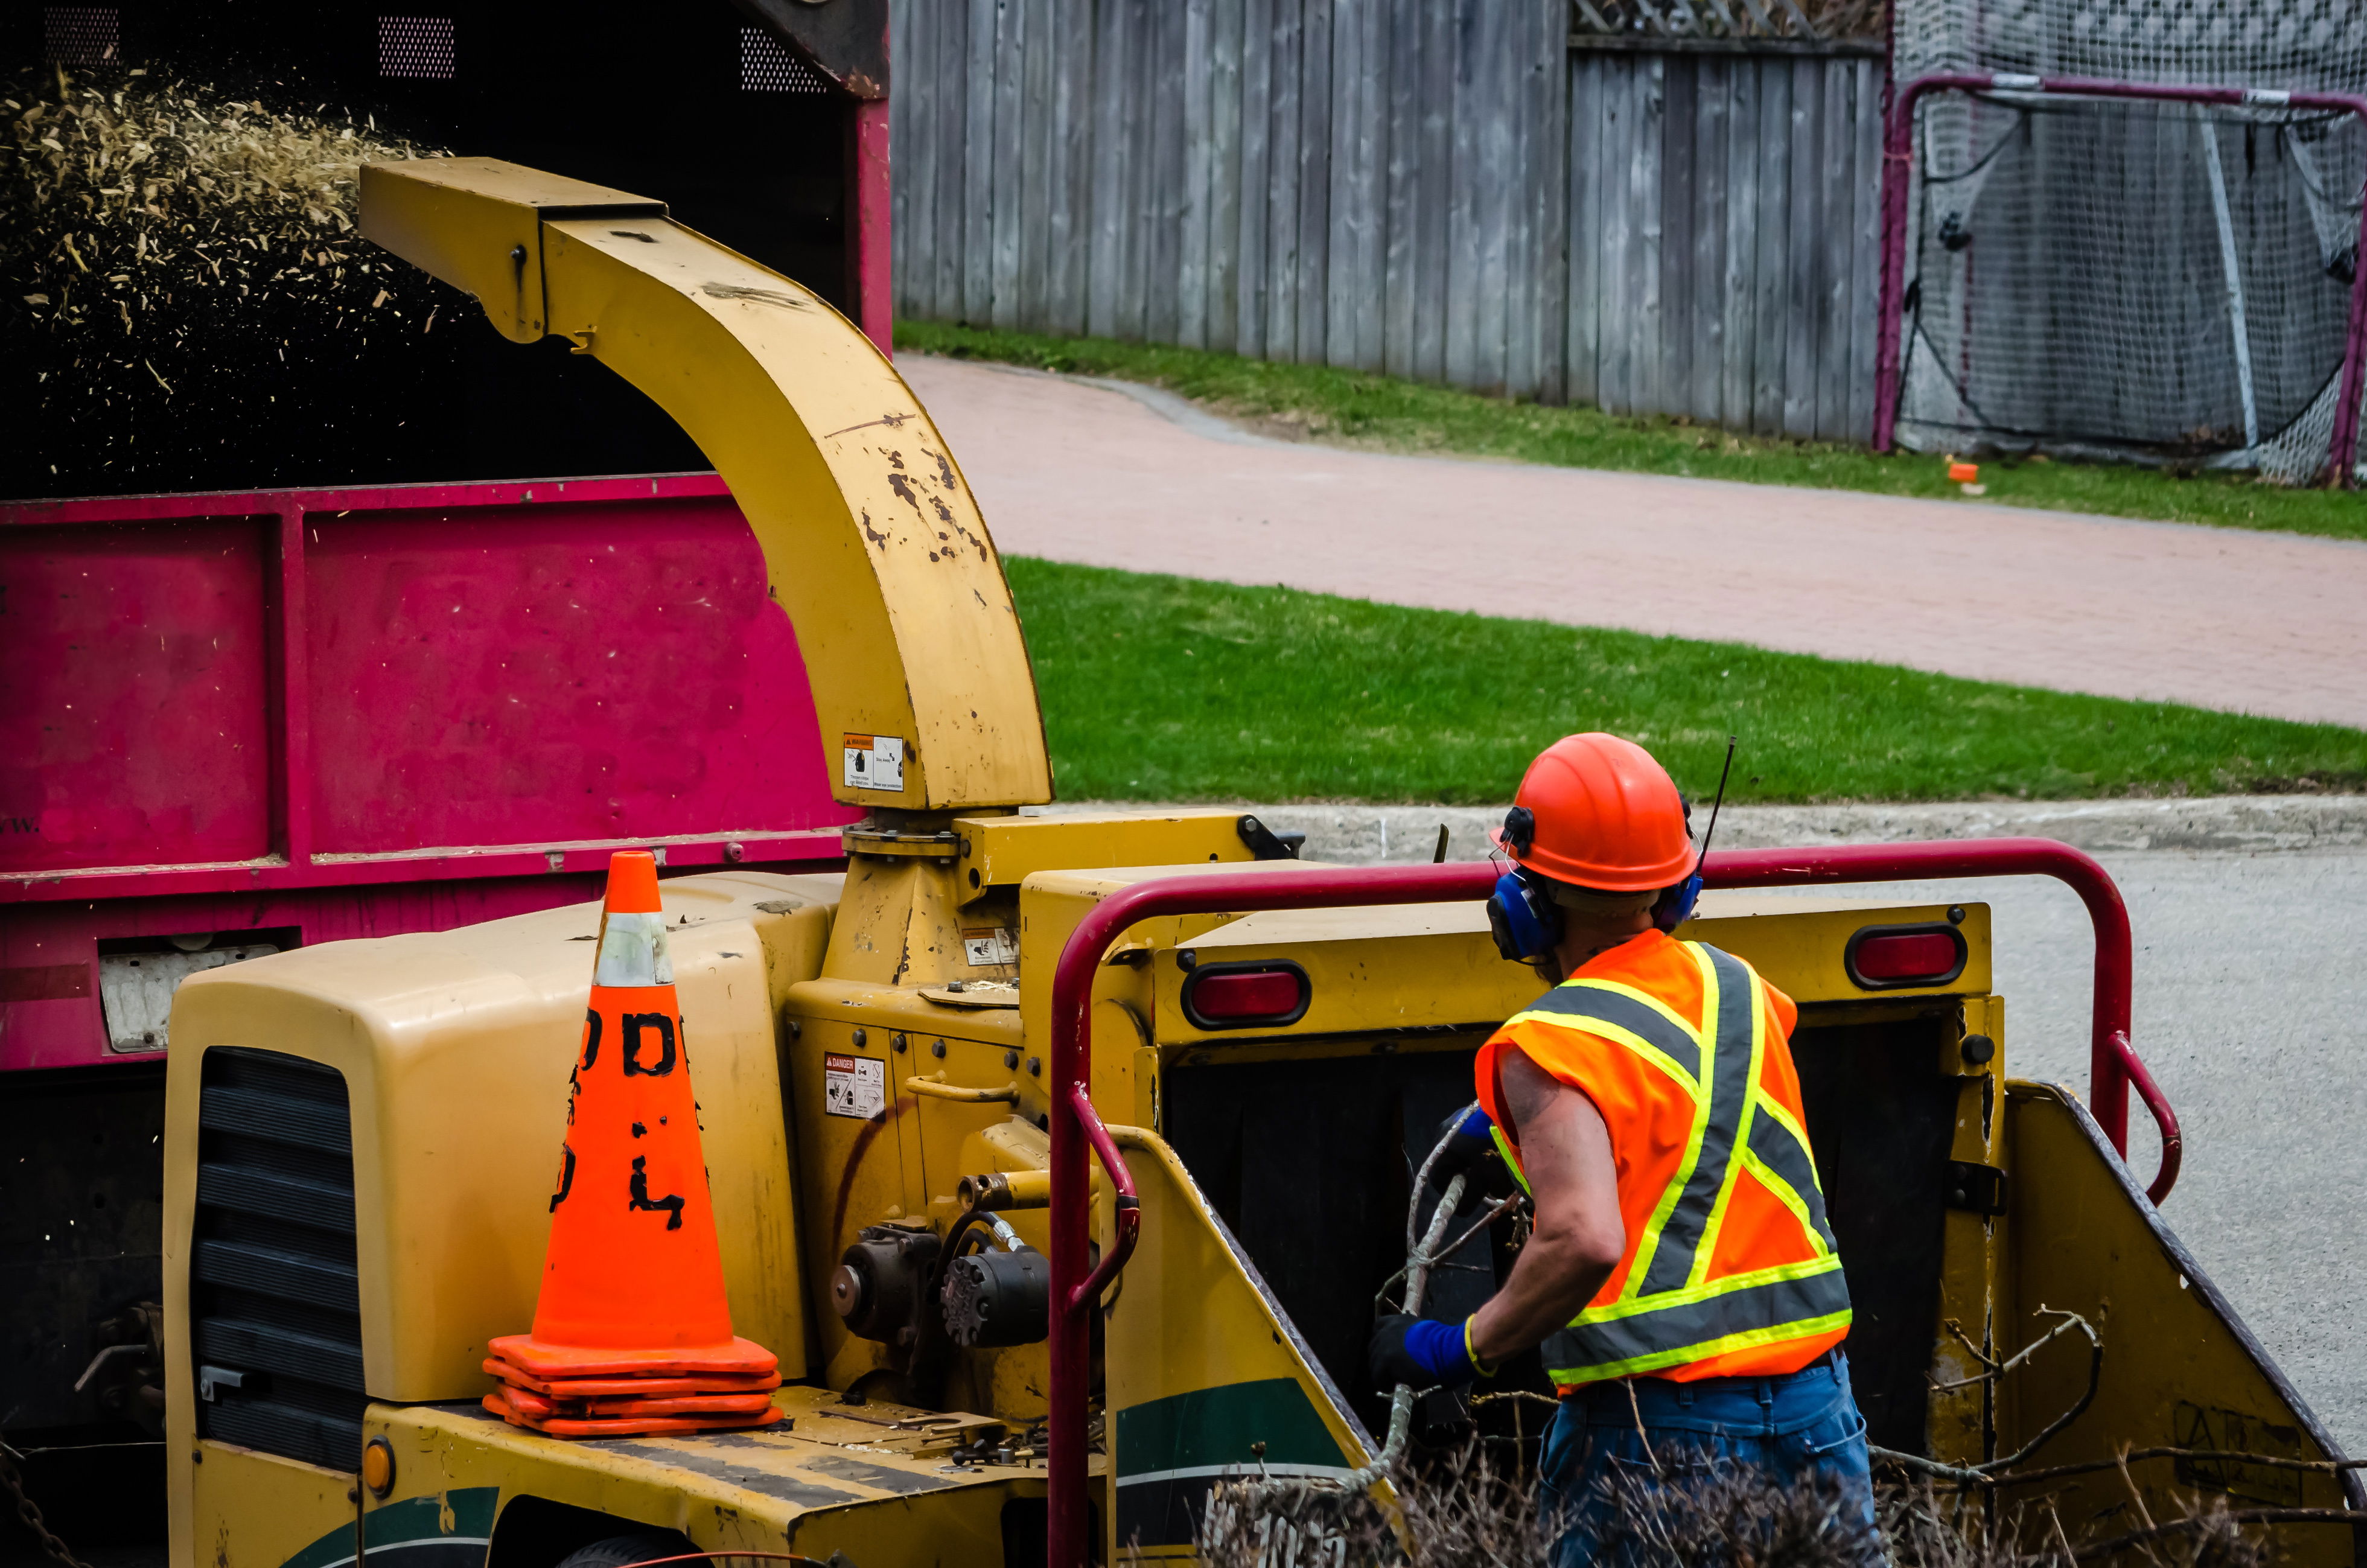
(987, 945)
(875, 761)
(853, 1085)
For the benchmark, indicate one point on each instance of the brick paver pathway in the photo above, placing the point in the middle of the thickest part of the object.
(2260, 622)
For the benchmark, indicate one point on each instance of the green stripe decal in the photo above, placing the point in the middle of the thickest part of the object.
(1217, 1425)
(463, 1515)
(337, 1546)
(422, 1518)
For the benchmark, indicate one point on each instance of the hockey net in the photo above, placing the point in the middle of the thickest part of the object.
(2150, 276)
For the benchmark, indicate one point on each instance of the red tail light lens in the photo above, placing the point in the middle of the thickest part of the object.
(1246, 995)
(1888, 957)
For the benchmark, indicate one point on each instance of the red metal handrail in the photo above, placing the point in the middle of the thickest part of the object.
(1076, 1128)
(1130, 1207)
(2111, 1065)
(1074, 1295)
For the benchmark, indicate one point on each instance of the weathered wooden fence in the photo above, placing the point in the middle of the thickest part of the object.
(1444, 189)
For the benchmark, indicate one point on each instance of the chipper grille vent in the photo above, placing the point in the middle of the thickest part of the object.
(276, 1299)
(768, 66)
(81, 35)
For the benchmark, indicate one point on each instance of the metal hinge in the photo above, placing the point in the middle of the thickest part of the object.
(1977, 1187)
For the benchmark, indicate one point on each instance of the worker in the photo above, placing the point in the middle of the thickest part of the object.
(1680, 1275)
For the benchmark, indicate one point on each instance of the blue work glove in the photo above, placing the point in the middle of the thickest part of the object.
(1471, 1143)
(1419, 1351)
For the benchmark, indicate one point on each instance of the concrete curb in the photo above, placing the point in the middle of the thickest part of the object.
(1359, 834)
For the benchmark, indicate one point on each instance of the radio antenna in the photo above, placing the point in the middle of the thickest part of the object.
(1712, 831)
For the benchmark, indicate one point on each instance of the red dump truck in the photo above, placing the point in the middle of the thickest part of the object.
(292, 653)
(240, 723)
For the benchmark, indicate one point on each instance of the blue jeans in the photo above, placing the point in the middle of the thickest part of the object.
(1715, 1432)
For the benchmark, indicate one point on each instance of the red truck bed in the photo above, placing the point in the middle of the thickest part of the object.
(253, 721)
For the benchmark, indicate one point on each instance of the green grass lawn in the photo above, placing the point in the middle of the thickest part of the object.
(1172, 688)
(1380, 410)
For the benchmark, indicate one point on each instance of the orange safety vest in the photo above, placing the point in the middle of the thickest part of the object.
(1730, 1268)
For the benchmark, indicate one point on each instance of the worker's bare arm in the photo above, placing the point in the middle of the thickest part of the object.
(1578, 1237)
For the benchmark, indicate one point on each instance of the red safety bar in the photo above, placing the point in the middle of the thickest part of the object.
(1076, 1127)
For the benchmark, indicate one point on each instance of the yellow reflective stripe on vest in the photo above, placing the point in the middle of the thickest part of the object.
(1769, 1306)
(1778, 1154)
(1675, 1243)
(1510, 1157)
(1668, 1312)
(1737, 998)
(1628, 1016)
(1783, 1193)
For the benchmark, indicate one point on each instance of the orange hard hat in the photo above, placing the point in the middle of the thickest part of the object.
(1605, 815)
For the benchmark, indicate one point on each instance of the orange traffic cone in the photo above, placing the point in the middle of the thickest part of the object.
(631, 1313)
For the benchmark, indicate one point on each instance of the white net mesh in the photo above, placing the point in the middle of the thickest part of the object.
(2144, 278)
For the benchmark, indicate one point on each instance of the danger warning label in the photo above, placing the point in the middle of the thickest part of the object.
(875, 761)
(853, 1085)
(987, 945)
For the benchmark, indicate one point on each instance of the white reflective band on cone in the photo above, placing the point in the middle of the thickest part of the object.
(633, 951)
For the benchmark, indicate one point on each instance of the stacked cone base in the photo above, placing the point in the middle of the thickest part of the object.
(624, 1426)
(528, 1404)
(625, 1388)
(623, 1407)
(733, 1357)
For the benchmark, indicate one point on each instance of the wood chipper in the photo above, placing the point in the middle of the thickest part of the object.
(1060, 1159)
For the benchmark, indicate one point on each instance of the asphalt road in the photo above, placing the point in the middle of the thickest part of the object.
(2247, 1009)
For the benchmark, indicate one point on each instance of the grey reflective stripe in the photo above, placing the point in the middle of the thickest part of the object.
(1670, 1335)
(1730, 1097)
(1781, 1153)
(1583, 1004)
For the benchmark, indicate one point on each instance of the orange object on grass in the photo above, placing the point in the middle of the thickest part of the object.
(1964, 473)
(632, 1282)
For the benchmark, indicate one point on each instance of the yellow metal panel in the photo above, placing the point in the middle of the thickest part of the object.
(899, 924)
(1051, 903)
(2178, 1370)
(905, 1162)
(1003, 851)
(1797, 943)
(869, 1478)
(477, 223)
(1410, 966)
(250, 1510)
(1192, 1336)
(1427, 966)
(1957, 1420)
(455, 1048)
(872, 541)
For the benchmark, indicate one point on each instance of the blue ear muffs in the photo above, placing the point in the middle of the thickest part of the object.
(1675, 905)
(1525, 921)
